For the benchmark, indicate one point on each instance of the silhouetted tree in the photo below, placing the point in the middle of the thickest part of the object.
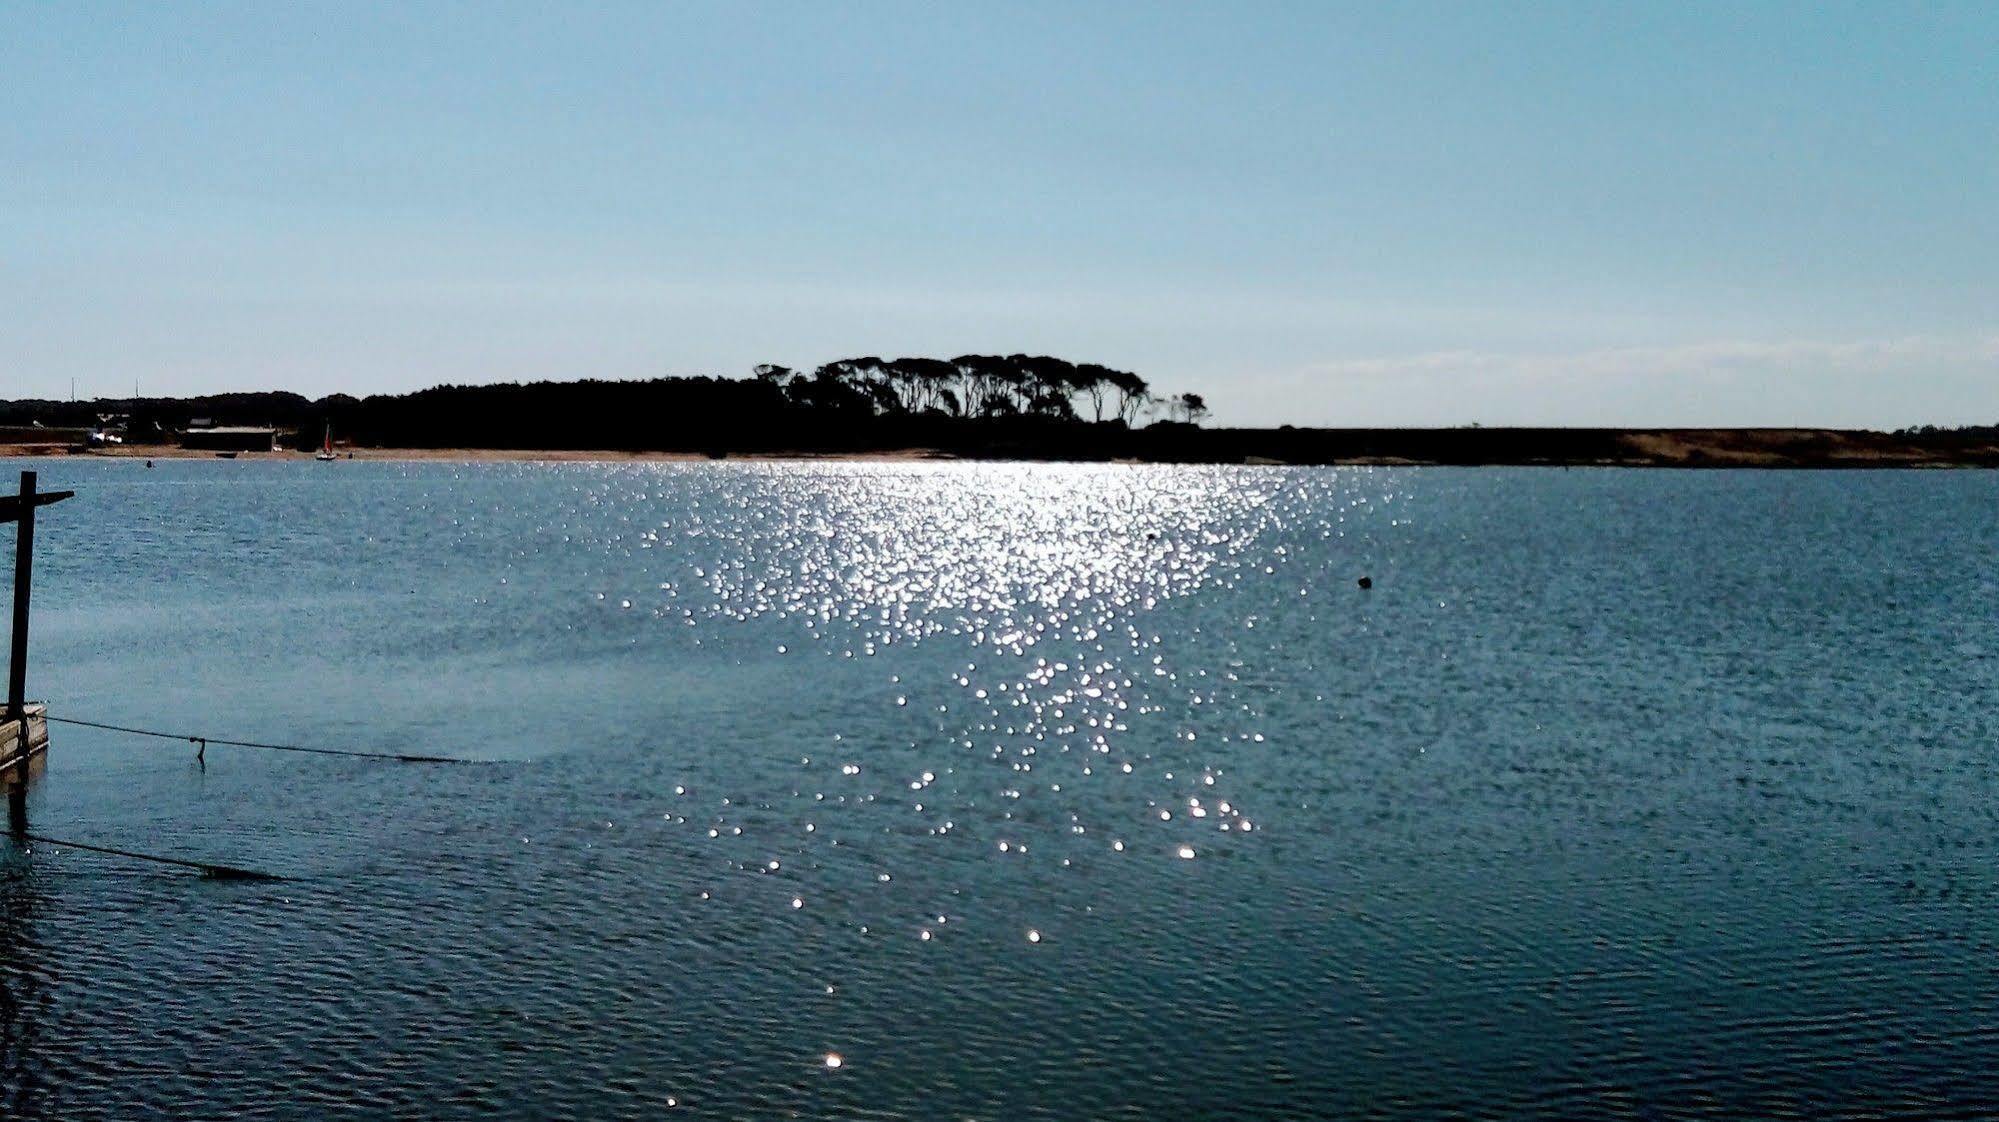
(1191, 407)
(1095, 382)
(870, 379)
(923, 382)
(982, 383)
(1052, 384)
(831, 388)
(1133, 394)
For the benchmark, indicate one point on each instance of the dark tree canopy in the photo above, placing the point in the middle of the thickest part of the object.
(865, 401)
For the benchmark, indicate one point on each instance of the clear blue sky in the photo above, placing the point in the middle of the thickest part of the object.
(1316, 213)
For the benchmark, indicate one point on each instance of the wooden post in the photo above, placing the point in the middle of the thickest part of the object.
(24, 554)
(21, 508)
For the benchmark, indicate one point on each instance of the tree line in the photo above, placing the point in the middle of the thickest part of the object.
(980, 387)
(970, 403)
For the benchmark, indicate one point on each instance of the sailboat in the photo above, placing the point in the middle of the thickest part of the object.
(326, 445)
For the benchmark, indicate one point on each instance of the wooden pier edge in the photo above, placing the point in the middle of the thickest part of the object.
(21, 741)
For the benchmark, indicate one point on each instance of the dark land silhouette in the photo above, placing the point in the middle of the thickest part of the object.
(972, 406)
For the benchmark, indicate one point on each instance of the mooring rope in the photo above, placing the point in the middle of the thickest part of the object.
(201, 743)
(208, 868)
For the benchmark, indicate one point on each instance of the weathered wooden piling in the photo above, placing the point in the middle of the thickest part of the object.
(23, 740)
(24, 728)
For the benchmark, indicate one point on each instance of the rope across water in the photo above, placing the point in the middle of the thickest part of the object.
(204, 741)
(208, 868)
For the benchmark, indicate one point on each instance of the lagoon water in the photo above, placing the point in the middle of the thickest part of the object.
(1015, 791)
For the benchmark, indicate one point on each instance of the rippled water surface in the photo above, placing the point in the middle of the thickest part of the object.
(998, 791)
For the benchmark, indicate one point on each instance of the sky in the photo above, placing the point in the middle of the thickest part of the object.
(1318, 213)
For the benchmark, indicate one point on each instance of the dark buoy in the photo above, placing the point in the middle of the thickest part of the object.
(1366, 583)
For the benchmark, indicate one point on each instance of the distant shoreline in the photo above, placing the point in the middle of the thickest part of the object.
(1466, 447)
(445, 455)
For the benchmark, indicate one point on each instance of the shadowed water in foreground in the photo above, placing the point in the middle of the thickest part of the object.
(909, 791)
